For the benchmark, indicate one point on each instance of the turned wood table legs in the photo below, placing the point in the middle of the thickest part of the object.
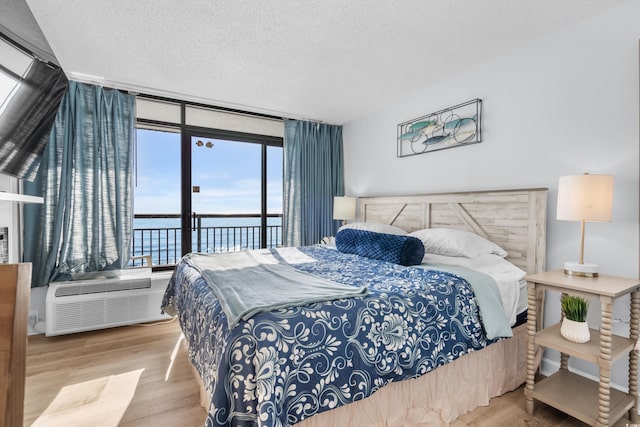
(634, 334)
(593, 402)
(531, 346)
(604, 388)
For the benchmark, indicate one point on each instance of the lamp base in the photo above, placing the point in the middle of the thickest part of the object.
(576, 269)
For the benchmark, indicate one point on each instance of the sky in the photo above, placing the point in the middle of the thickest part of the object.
(228, 174)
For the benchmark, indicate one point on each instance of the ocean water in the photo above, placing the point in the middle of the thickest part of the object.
(161, 238)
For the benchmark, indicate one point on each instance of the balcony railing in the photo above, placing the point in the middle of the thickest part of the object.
(160, 235)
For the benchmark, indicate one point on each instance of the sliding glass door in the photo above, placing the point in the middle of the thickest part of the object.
(203, 192)
(225, 195)
(208, 180)
(232, 194)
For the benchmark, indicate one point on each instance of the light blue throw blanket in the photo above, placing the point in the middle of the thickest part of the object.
(411, 321)
(492, 313)
(250, 282)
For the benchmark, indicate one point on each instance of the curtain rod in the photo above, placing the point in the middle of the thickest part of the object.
(140, 92)
(148, 93)
(26, 51)
(224, 109)
(200, 104)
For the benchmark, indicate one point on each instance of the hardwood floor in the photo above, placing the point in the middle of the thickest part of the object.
(167, 394)
(55, 362)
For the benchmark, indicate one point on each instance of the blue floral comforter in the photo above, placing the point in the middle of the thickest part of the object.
(280, 367)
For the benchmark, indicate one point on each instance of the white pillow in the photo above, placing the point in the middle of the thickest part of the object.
(507, 276)
(375, 227)
(486, 263)
(445, 241)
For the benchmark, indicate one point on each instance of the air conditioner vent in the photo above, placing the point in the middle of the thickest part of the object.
(85, 305)
(96, 286)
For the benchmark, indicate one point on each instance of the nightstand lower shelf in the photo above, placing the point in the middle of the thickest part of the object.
(550, 337)
(578, 397)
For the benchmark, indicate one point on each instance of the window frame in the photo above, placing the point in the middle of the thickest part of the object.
(186, 133)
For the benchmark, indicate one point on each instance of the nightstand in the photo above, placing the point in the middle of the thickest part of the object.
(594, 403)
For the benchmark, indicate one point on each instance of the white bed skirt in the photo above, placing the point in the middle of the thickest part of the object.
(436, 398)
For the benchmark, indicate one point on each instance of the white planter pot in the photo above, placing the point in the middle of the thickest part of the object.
(575, 331)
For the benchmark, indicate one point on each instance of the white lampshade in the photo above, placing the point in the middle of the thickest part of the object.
(344, 207)
(585, 198)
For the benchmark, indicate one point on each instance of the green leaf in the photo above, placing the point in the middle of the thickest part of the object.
(574, 307)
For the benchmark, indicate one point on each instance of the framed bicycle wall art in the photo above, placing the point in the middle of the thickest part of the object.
(452, 127)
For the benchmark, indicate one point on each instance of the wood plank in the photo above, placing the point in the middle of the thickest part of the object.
(55, 362)
(583, 402)
(15, 283)
(513, 219)
(589, 351)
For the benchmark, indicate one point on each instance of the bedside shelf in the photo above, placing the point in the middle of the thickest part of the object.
(593, 402)
(583, 403)
(589, 351)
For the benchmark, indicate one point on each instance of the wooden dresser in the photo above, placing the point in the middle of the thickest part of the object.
(15, 283)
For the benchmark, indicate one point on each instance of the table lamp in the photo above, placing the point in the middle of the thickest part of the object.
(344, 208)
(584, 198)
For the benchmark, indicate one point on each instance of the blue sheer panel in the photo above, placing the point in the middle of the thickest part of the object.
(313, 175)
(85, 179)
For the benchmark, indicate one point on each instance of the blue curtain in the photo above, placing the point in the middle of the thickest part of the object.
(85, 178)
(313, 175)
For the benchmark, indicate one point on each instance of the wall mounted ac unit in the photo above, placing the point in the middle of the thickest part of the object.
(85, 305)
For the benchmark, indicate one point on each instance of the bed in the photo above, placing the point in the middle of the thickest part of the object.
(408, 347)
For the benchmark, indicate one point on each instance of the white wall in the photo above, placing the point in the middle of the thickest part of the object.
(9, 217)
(562, 105)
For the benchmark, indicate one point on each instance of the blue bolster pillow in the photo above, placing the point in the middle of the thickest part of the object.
(404, 250)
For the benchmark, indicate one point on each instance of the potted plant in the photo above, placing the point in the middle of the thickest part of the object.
(574, 325)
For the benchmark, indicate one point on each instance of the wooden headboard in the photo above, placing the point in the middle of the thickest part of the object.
(513, 219)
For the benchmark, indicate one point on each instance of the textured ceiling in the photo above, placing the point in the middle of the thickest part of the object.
(17, 22)
(329, 60)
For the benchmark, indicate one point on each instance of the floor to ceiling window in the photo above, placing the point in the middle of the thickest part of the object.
(202, 187)
(156, 197)
(13, 66)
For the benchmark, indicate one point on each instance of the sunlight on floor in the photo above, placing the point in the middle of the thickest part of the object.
(100, 402)
(174, 353)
